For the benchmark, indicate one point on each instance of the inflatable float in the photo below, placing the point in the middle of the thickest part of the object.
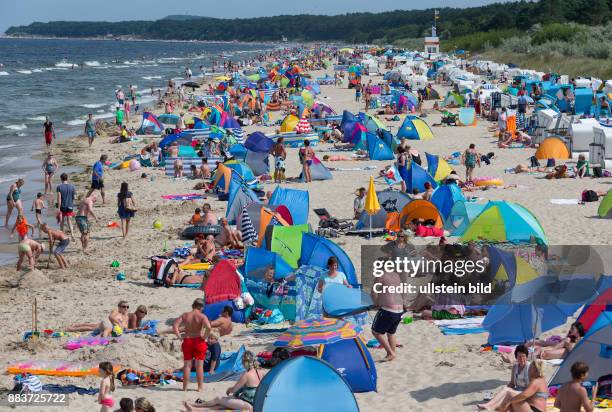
(487, 181)
(56, 368)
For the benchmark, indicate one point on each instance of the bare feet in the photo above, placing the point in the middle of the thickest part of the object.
(187, 407)
(388, 358)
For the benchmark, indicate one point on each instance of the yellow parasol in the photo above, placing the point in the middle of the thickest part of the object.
(371, 203)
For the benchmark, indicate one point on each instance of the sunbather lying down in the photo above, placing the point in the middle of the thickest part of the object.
(181, 277)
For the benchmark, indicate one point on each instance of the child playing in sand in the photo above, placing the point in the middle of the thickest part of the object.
(107, 385)
(196, 219)
(37, 206)
(22, 226)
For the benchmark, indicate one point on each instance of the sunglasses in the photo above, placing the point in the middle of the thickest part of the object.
(124, 306)
(142, 311)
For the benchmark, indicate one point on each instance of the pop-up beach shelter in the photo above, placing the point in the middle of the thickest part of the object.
(391, 201)
(223, 177)
(461, 216)
(316, 250)
(295, 200)
(467, 116)
(502, 221)
(414, 128)
(506, 266)
(420, 209)
(595, 349)
(305, 384)
(150, 124)
(606, 205)
(340, 301)
(437, 167)
(416, 178)
(552, 148)
(242, 169)
(353, 361)
(239, 196)
(318, 171)
(377, 148)
(258, 147)
(591, 311)
(286, 241)
(289, 123)
(445, 196)
(258, 260)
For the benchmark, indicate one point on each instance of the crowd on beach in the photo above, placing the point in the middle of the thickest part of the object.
(199, 335)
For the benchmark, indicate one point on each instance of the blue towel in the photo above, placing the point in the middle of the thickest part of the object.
(52, 388)
(462, 331)
(152, 330)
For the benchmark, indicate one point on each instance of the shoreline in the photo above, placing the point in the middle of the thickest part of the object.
(136, 39)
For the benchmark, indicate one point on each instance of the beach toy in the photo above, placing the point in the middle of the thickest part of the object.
(117, 331)
(120, 276)
(125, 165)
(112, 224)
(406, 320)
(487, 181)
(115, 264)
(503, 348)
(134, 165)
(157, 224)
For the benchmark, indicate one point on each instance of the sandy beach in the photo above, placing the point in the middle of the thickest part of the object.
(432, 372)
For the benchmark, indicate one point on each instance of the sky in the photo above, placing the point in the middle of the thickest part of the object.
(24, 12)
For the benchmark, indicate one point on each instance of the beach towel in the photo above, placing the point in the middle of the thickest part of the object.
(189, 196)
(53, 388)
(462, 331)
(463, 321)
(149, 327)
(565, 201)
(86, 341)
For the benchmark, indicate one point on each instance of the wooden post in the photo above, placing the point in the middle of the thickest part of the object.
(35, 320)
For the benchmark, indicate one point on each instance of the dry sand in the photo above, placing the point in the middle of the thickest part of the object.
(419, 380)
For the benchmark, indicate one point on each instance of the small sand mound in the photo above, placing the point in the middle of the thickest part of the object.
(32, 279)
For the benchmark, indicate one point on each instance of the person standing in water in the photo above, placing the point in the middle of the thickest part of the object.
(49, 132)
(13, 200)
(49, 167)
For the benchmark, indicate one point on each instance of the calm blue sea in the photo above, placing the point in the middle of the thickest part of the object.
(43, 77)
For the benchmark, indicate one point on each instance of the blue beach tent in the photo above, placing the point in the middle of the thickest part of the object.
(353, 361)
(316, 250)
(417, 176)
(258, 260)
(304, 384)
(461, 215)
(445, 196)
(340, 301)
(294, 200)
(239, 196)
(377, 148)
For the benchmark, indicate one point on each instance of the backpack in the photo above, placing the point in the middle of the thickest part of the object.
(160, 269)
(589, 196)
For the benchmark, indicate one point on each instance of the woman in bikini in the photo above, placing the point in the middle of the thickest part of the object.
(545, 350)
(306, 155)
(181, 278)
(533, 398)
(240, 396)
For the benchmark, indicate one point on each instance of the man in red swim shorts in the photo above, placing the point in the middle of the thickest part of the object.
(196, 328)
(49, 131)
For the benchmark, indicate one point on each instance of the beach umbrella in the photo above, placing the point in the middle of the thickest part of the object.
(526, 311)
(371, 203)
(303, 126)
(318, 331)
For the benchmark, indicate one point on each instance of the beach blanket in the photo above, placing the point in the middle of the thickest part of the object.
(53, 388)
(565, 201)
(189, 196)
(463, 326)
(230, 368)
(351, 169)
(149, 327)
(446, 330)
(87, 341)
(463, 321)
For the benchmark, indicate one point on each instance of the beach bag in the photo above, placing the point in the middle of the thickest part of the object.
(589, 196)
(160, 269)
(128, 204)
(597, 171)
(534, 161)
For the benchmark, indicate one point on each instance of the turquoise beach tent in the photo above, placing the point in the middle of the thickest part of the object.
(417, 176)
(305, 384)
(239, 196)
(445, 196)
(460, 217)
(258, 260)
(294, 200)
(242, 169)
(502, 221)
(377, 148)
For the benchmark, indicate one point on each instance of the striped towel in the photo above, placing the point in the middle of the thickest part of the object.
(238, 134)
(249, 235)
(30, 383)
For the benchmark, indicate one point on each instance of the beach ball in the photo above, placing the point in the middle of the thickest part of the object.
(157, 224)
(134, 165)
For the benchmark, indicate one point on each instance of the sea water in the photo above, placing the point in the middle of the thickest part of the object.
(67, 79)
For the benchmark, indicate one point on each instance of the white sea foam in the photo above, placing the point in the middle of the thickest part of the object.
(93, 105)
(37, 118)
(104, 115)
(75, 122)
(4, 73)
(9, 178)
(92, 63)
(151, 77)
(24, 71)
(37, 71)
(16, 126)
(6, 146)
(121, 66)
(65, 64)
(91, 88)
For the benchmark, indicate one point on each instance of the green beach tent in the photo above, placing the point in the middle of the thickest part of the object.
(286, 241)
